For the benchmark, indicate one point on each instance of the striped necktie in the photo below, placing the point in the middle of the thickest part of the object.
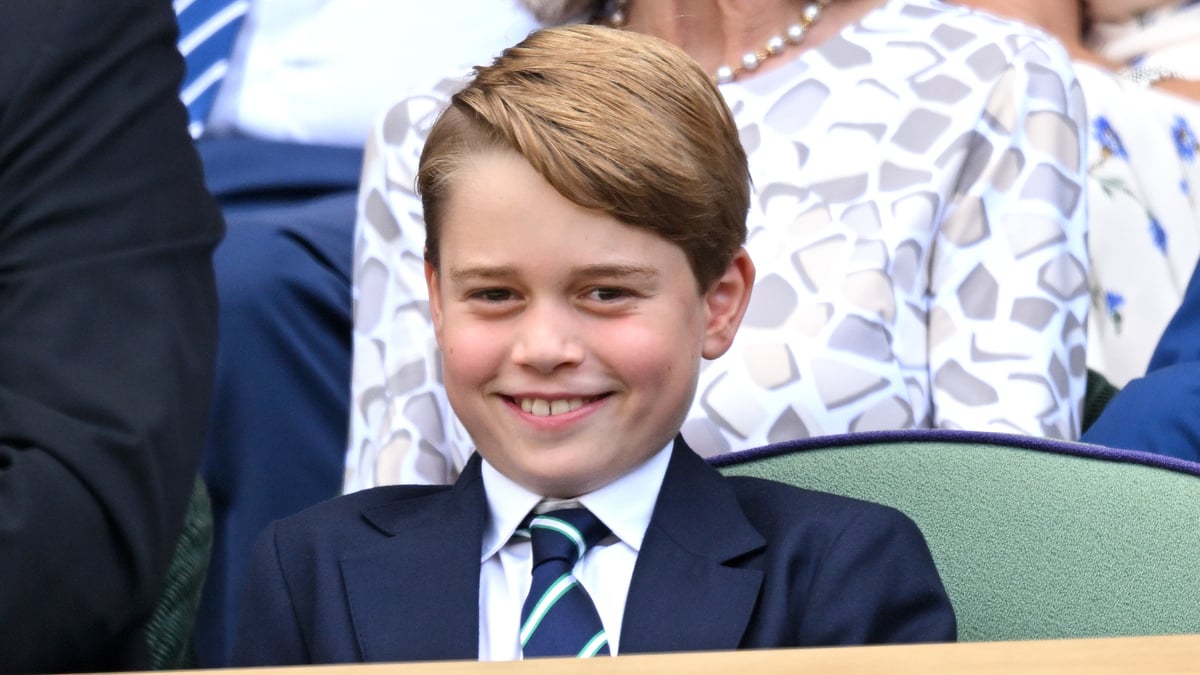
(559, 618)
(207, 30)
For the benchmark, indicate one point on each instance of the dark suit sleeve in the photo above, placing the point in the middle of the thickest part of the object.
(1179, 343)
(107, 325)
(269, 631)
(877, 583)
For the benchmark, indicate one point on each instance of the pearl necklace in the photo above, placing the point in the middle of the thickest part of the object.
(752, 59)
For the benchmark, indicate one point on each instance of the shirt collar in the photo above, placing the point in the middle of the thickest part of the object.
(624, 505)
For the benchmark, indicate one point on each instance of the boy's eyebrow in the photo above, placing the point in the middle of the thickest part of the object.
(618, 270)
(607, 270)
(476, 272)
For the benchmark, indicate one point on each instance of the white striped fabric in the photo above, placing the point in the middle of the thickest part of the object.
(207, 31)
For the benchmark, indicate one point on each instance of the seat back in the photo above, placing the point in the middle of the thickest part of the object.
(1033, 538)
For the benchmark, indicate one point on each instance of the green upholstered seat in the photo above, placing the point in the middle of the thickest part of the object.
(169, 630)
(1033, 538)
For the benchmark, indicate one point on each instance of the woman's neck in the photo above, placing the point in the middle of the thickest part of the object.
(718, 32)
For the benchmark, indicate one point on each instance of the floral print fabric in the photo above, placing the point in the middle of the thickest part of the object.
(1143, 178)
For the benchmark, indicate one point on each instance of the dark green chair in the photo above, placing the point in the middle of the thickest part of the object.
(1034, 539)
(1096, 397)
(169, 631)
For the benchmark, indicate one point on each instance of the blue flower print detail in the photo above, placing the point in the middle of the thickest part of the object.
(1113, 301)
(1183, 184)
(1109, 141)
(1185, 140)
(1159, 235)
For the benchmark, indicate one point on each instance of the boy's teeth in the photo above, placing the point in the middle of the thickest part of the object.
(542, 408)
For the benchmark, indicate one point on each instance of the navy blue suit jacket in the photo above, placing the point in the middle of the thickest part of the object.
(392, 573)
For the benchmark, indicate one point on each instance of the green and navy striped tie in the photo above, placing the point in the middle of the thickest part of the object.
(559, 618)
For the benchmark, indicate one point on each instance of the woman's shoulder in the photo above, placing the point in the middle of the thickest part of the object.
(985, 41)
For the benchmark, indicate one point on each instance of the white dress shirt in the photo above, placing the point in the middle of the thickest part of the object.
(505, 570)
(322, 71)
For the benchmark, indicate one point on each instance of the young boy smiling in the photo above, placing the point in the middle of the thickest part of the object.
(585, 201)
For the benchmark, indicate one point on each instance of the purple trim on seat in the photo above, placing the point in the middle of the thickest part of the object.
(958, 436)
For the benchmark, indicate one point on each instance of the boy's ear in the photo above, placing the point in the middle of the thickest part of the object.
(433, 284)
(726, 301)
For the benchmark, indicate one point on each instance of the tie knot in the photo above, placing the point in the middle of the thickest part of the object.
(564, 535)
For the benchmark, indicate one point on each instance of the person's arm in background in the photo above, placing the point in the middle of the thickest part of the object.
(1065, 20)
(401, 426)
(1008, 289)
(107, 326)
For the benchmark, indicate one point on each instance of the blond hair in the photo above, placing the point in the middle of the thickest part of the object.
(615, 121)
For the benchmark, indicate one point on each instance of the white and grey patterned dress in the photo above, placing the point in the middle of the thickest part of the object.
(918, 226)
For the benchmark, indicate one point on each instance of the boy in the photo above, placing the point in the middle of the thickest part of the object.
(585, 198)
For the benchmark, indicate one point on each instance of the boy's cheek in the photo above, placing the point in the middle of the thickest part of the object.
(469, 350)
(650, 353)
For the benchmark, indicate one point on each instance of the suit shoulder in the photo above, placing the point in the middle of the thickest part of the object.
(780, 504)
(344, 515)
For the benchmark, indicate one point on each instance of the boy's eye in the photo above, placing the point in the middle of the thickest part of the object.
(608, 293)
(491, 295)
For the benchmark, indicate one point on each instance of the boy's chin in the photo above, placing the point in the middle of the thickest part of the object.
(562, 482)
(571, 467)
(565, 486)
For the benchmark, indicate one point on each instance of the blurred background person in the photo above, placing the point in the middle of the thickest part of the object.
(1144, 219)
(108, 310)
(1136, 61)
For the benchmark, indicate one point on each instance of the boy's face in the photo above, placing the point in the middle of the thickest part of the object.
(571, 342)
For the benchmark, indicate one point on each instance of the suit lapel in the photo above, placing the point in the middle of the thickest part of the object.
(683, 595)
(415, 594)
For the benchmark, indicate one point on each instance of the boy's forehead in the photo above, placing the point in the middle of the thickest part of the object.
(503, 219)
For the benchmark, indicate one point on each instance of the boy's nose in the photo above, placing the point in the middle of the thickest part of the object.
(547, 339)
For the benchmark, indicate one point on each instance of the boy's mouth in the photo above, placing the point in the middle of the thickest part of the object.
(541, 407)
